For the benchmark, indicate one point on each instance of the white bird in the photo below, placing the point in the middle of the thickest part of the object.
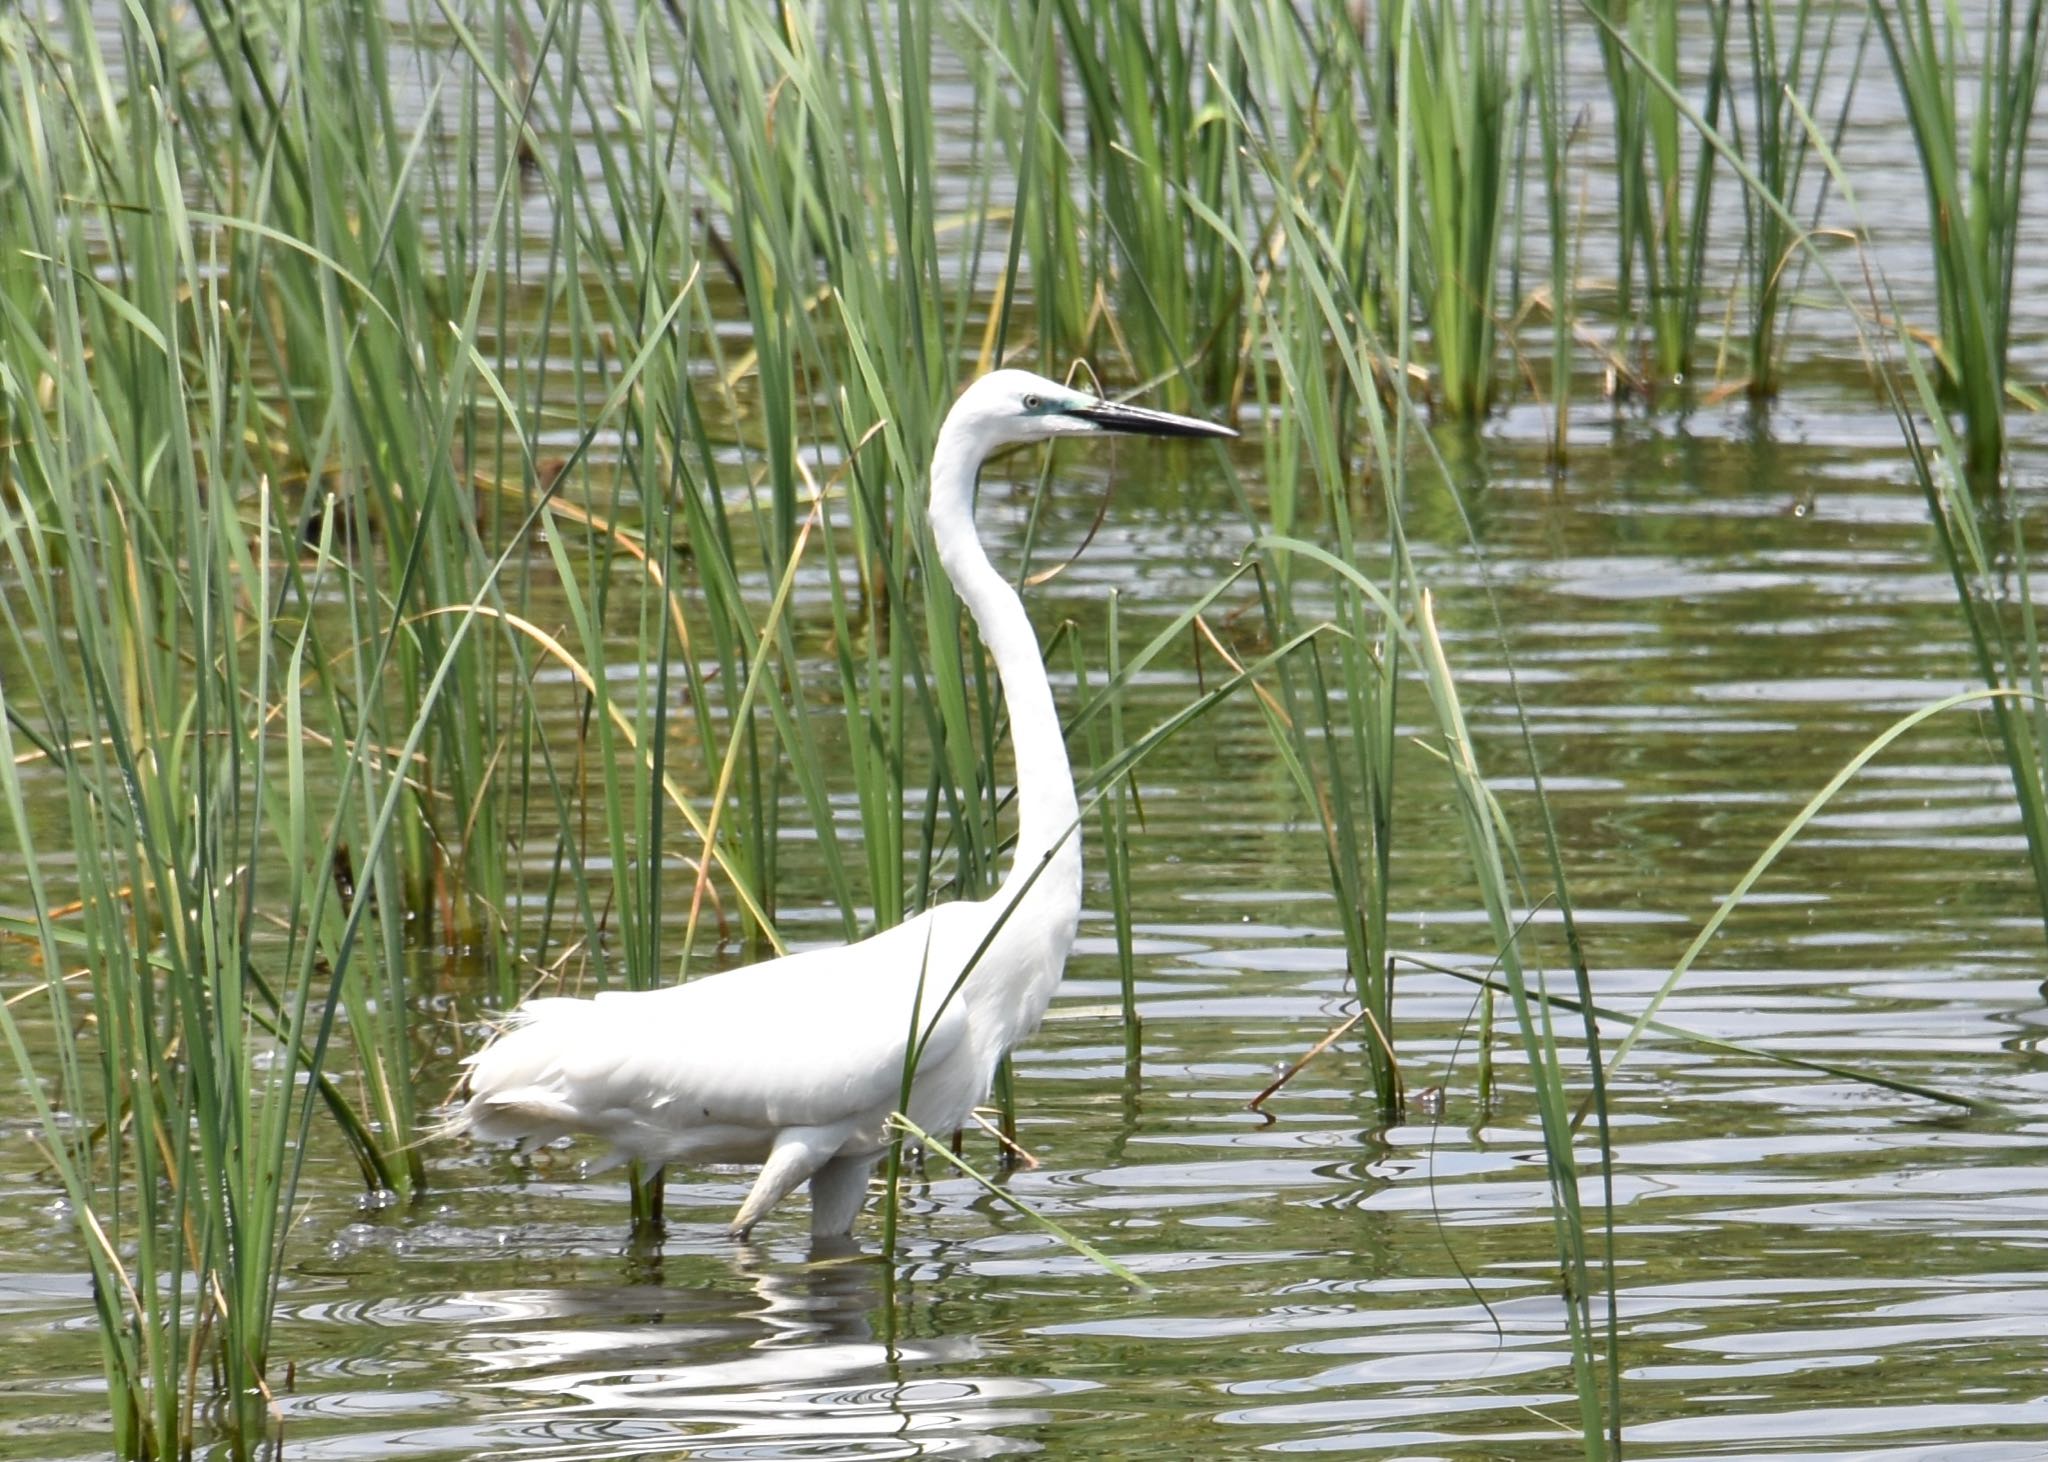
(796, 1063)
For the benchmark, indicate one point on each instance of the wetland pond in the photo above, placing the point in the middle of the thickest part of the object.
(1706, 623)
(1706, 615)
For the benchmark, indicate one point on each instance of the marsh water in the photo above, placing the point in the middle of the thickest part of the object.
(1706, 620)
(1706, 615)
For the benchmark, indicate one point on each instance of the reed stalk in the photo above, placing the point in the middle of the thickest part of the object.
(1452, 59)
(1974, 172)
(1792, 53)
(1665, 207)
(1544, 61)
(1152, 80)
(153, 599)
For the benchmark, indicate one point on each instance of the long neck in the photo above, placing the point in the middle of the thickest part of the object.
(1047, 811)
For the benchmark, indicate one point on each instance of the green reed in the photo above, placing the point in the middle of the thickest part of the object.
(373, 414)
(1334, 719)
(1452, 59)
(158, 734)
(1333, 712)
(1479, 819)
(234, 528)
(1331, 715)
(1115, 825)
(1665, 207)
(1543, 39)
(1792, 55)
(1023, 70)
(1974, 173)
(1154, 80)
(2005, 639)
(1395, 612)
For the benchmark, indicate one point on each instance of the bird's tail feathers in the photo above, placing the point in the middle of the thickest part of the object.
(525, 1016)
(511, 1086)
(518, 1114)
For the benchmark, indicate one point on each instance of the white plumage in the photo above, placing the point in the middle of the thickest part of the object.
(797, 1063)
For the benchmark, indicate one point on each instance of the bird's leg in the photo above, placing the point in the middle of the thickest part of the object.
(798, 1152)
(837, 1191)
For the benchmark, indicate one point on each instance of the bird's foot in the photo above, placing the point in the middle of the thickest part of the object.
(835, 1249)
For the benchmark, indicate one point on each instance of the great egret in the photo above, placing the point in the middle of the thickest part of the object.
(796, 1063)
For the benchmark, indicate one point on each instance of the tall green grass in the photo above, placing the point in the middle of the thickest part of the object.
(1974, 172)
(1543, 97)
(1455, 81)
(2008, 657)
(1336, 720)
(1793, 54)
(1155, 82)
(463, 498)
(159, 733)
(1666, 199)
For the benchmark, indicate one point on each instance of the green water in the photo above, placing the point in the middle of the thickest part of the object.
(1706, 619)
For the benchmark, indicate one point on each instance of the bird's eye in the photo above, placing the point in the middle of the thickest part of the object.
(1032, 403)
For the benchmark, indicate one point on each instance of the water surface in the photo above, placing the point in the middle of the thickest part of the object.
(1705, 616)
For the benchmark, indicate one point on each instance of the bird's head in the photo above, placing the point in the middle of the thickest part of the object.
(1010, 406)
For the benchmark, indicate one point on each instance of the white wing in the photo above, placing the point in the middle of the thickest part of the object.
(718, 1065)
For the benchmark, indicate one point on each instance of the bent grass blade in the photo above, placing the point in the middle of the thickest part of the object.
(935, 1148)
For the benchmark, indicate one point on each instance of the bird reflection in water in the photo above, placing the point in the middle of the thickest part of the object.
(800, 1357)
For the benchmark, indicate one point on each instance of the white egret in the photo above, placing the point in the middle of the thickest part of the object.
(797, 1062)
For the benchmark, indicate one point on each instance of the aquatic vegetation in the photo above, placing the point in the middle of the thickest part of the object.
(1792, 57)
(1543, 41)
(167, 620)
(1973, 182)
(1163, 170)
(1453, 62)
(460, 505)
(1666, 206)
